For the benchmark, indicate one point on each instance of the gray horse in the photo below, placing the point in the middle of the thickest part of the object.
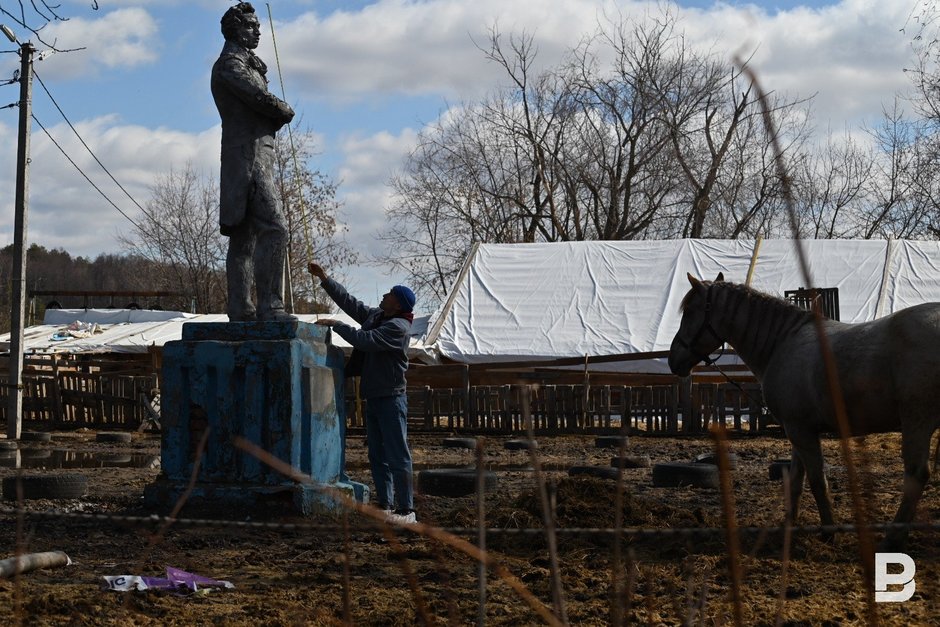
(889, 371)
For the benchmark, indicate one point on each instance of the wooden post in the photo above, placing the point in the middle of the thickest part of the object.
(20, 213)
(626, 410)
(466, 410)
(750, 269)
(505, 415)
(673, 408)
(695, 418)
(428, 413)
(585, 397)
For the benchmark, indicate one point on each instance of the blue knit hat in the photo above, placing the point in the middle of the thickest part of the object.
(406, 298)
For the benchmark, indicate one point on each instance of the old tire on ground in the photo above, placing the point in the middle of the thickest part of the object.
(677, 474)
(69, 485)
(114, 459)
(35, 453)
(776, 469)
(8, 445)
(611, 441)
(113, 436)
(520, 445)
(453, 481)
(35, 436)
(631, 461)
(469, 443)
(602, 472)
(712, 458)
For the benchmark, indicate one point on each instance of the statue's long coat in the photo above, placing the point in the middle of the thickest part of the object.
(251, 115)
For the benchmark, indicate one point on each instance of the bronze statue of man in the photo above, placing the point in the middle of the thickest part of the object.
(250, 212)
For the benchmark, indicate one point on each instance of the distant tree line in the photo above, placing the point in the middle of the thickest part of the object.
(637, 135)
(56, 269)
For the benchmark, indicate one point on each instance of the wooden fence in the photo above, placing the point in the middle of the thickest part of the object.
(70, 392)
(681, 407)
(658, 409)
(117, 392)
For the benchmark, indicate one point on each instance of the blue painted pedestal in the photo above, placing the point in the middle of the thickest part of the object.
(279, 385)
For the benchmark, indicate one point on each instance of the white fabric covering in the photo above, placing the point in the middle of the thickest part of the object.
(546, 301)
(124, 332)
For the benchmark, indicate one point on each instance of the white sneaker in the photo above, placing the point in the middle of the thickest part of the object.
(401, 519)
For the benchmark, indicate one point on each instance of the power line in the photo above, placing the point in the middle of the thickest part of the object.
(74, 130)
(80, 171)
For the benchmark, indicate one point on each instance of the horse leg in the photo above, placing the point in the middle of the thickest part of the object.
(809, 450)
(796, 475)
(915, 451)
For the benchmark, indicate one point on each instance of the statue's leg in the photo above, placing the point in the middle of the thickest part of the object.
(270, 226)
(241, 247)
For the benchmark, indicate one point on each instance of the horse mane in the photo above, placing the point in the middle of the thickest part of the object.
(752, 297)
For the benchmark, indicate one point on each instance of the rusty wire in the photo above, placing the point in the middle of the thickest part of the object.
(633, 533)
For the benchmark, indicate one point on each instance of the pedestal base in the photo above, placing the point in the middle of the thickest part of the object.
(306, 500)
(278, 385)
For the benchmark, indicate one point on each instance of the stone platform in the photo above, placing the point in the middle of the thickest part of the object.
(279, 385)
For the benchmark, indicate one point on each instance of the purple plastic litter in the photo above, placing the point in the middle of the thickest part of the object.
(176, 580)
(192, 581)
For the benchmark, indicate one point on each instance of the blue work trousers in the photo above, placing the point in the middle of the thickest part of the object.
(389, 456)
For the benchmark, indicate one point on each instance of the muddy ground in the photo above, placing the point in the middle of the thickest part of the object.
(316, 576)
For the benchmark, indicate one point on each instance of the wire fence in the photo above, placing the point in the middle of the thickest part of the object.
(646, 550)
(652, 533)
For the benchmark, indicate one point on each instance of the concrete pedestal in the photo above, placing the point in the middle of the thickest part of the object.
(277, 384)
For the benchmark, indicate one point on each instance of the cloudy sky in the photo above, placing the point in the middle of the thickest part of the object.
(366, 77)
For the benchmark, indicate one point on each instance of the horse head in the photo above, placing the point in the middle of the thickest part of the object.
(696, 338)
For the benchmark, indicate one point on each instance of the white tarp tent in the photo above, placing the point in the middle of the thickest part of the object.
(548, 301)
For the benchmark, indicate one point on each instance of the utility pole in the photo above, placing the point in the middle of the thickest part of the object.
(17, 314)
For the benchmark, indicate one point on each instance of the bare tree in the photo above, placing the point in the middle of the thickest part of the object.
(34, 15)
(903, 188)
(923, 27)
(912, 147)
(635, 135)
(179, 230)
(309, 200)
(831, 187)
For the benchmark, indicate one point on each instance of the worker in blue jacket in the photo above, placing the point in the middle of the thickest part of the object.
(380, 358)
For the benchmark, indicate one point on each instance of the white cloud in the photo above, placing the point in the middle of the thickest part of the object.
(124, 38)
(368, 164)
(373, 159)
(851, 54)
(406, 47)
(65, 211)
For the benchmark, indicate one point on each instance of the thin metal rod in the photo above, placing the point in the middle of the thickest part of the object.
(293, 151)
(481, 533)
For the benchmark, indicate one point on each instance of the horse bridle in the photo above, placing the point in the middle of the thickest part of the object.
(706, 359)
(705, 328)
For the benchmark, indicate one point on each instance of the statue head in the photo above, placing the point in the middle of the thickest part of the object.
(241, 25)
